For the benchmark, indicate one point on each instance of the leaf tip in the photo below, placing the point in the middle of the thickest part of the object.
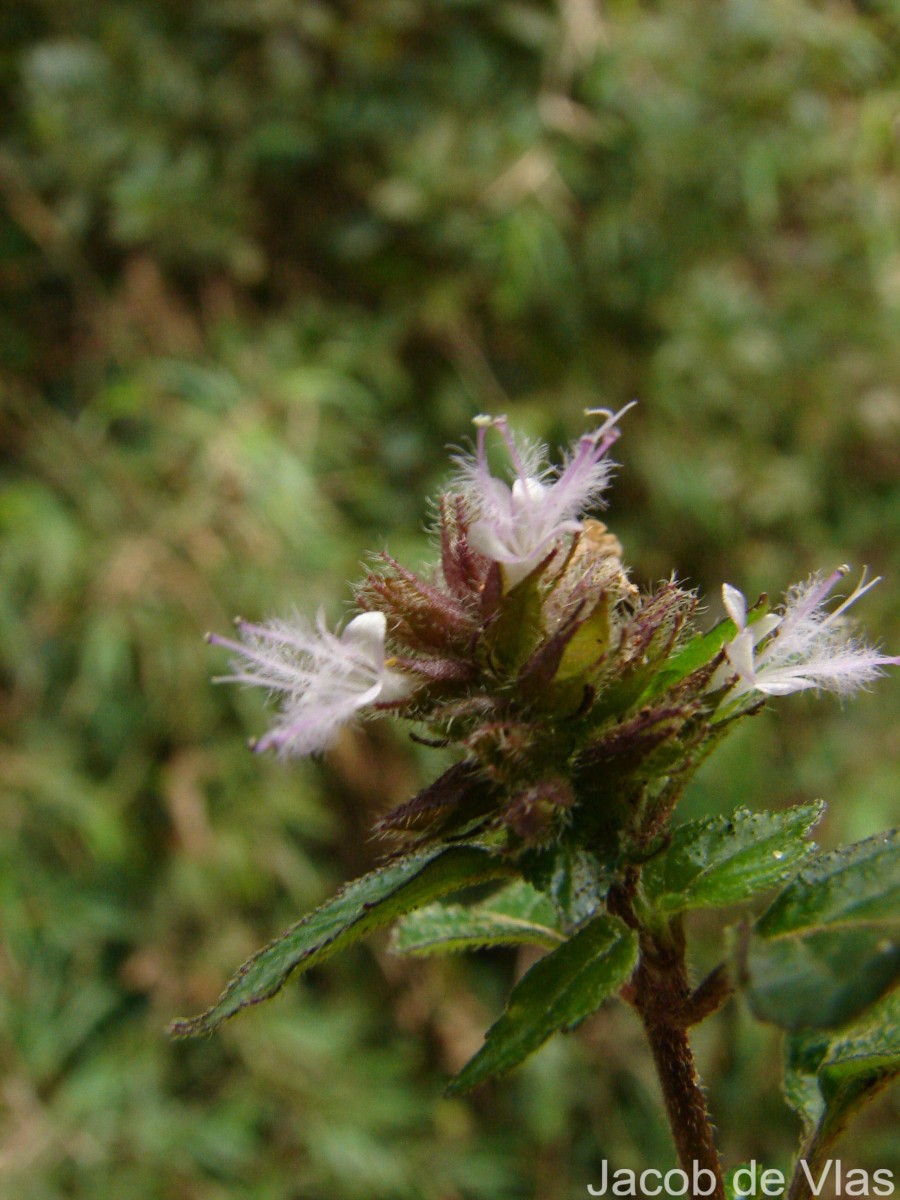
(188, 1027)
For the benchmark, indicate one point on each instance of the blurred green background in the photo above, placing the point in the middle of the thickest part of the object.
(262, 260)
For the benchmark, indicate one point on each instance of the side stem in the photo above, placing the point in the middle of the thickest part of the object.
(813, 1154)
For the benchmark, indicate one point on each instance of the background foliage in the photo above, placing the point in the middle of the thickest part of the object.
(262, 261)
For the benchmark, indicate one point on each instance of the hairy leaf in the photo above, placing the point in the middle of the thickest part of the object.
(858, 883)
(517, 915)
(726, 860)
(368, 903)
(829, 1078)
(828, 946)
(557, 993)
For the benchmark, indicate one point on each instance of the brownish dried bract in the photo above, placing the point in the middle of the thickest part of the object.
(597, 554)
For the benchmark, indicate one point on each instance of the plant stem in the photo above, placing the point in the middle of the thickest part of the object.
(661, 993)
(819, 1146)
(685, 1102)
(813, 1154)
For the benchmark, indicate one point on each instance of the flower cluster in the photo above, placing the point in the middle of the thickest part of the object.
(579, 706)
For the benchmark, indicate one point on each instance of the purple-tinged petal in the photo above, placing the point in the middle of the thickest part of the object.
(517, 524)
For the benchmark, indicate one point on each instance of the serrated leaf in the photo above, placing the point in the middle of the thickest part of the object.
(828, 946)
(366, 904)
(853, 885)
(515, 916)
(722, 860)
(557, 993)
(829, 1078)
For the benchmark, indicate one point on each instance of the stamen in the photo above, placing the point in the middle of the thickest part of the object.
(502, 425)
(860, 590)
(608, 433)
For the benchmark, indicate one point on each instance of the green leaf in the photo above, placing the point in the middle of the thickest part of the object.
(828, 1078)
(828, 946)
(579, 884)
(699, 651)
(722, 860)
(804, 1053)
(366, 904)
(587, 645)
(557, 993)
(865, 1059)
(517, 628)
(517, 915)
(696, 654)
(858, 883)
(575, 879)
(820, 980)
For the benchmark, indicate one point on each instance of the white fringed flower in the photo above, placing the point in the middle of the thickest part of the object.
(324, 679)
(809, 647)
(518, 525)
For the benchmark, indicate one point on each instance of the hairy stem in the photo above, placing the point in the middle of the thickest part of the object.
(685, 1102)
(661, 993)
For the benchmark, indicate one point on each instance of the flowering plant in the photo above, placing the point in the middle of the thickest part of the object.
(580, 708)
